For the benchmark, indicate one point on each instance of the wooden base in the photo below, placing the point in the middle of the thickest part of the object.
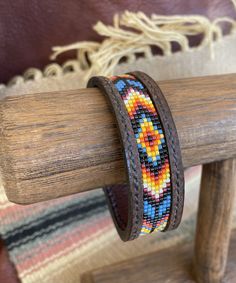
(214, 221)
(172, 265)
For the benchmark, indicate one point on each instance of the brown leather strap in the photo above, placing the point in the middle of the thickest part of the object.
(126, 201)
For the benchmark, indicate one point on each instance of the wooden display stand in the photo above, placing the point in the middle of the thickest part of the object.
(66, 142)
(207, 262)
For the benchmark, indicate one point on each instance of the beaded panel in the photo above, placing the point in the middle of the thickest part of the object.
(153, 152)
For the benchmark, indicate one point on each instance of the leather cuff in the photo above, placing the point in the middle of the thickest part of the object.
(153, 196)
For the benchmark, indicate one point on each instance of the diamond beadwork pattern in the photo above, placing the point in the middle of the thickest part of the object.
(153, 152)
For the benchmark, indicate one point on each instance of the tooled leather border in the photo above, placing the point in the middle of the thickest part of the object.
(131, 155)
(171, 135)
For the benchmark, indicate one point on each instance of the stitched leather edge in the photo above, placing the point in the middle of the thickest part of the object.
(131, 155)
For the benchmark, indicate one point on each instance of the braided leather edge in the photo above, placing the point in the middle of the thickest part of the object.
(130, 151)
(171, 135)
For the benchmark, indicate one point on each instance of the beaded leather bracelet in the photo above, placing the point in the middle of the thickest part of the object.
(153, 197)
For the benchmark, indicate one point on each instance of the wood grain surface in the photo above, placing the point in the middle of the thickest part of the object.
(215, 213)
(171, 265)
(60, 143)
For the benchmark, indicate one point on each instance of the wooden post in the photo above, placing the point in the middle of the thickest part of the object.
(216, 205)
(60, 143)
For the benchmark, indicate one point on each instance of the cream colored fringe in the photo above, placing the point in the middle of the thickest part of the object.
(130, 35)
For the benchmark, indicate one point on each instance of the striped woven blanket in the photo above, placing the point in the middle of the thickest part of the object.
(56, 241)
